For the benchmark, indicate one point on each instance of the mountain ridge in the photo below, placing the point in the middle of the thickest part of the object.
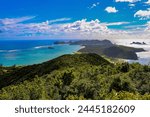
(64, 61)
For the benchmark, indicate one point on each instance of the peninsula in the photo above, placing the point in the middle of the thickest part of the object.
(106, 48)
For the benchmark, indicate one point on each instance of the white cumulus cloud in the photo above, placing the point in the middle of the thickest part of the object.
(143, 14)
(148, 2)
(80, 29)
(85, 26)
(111, 10)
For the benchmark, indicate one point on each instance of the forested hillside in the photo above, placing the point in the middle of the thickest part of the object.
(74, 77)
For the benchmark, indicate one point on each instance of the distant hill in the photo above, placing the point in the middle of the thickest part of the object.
(102, 43)
(122, 52)
(113, 51)
(105, 47)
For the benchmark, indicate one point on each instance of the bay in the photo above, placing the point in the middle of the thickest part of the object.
(28, 52)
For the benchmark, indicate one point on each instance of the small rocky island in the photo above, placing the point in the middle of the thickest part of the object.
(50, 47)
(139, 43)
(106, 48)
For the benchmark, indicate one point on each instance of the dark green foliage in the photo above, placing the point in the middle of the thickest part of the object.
(124, 67)
(76, 77)
(29, 72)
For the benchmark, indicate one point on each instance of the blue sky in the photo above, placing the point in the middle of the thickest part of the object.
(74, 19)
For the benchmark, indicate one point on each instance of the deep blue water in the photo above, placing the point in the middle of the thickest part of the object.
(28, 52)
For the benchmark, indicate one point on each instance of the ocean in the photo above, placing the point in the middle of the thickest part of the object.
(28, 52)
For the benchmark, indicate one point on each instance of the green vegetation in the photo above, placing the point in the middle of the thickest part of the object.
(76, 77)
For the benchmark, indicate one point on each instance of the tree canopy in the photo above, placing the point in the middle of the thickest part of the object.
(76, 77)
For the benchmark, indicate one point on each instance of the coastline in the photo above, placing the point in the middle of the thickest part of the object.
(42, 53)
(128, 52)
